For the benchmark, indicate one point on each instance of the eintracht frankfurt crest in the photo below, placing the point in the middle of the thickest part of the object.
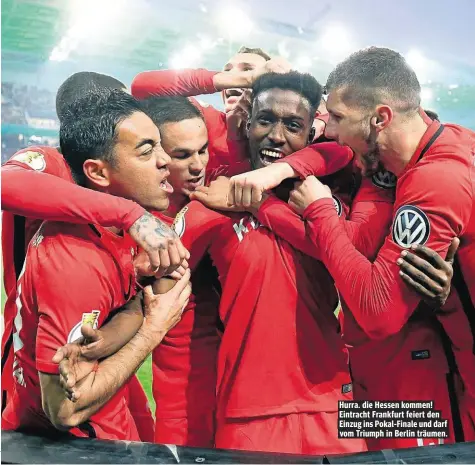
(411, 226)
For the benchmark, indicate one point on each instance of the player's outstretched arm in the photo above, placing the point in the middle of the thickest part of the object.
(192, 82)
(33, 194)
(315, 160)
(374, 291)
(162, 312)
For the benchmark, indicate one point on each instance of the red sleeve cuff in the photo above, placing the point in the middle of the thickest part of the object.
(131, 217)
(208, 81)
(300, 168)
(322, 208)
(47, 367)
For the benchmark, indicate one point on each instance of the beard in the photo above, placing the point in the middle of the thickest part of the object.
(371, 159)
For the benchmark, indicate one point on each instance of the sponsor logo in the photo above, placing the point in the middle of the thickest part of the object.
(384, 179)
(411, 226)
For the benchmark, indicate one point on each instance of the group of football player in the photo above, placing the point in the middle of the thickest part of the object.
(308, 245)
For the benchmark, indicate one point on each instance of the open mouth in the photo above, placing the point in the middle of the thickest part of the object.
(166, 186)
(269, 156)
(233, 93)
(193, 183)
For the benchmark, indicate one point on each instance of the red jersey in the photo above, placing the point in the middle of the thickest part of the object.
(30, 179)
(292, 324)
(423, 214)
(184, 364)
(51, 307)
(190, 82)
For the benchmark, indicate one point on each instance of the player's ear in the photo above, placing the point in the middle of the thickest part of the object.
(311, 135)
(97, 171)
(382, 118)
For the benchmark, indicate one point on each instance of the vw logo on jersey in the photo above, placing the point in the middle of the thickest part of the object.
(338, 205)
(411, 226)
(384, 179)
(179, 224)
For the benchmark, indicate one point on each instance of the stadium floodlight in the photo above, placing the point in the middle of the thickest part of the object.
(303, 63)
(427, 95)
(283, 49)
(90, 20)
(419, 63)
(189, 57)
(234, 23)
(206, 43)
(336, 42)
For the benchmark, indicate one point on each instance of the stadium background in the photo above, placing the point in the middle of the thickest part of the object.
(44, 41)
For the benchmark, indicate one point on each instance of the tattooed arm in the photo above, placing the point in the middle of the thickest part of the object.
(160, 242)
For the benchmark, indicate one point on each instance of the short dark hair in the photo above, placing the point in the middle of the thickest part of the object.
(432, 115)
(88, 129)
(301, 83)
(80, 83)
(256, 51)
(374, 75)
(164, 110)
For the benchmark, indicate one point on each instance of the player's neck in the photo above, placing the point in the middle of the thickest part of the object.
(177, 202)
(402, 142)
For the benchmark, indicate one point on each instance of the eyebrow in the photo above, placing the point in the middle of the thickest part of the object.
(145, 142)
(270, 112)
(246, 64)
(179, 149)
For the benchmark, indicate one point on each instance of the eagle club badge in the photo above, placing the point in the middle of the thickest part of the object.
(179, 224)
(35, 160)
(90, 318)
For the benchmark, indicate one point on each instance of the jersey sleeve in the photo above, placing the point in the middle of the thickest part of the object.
(366, 224)
(424, 214)
(27, 192)
(370, 217)
(187, 82)
(228, 170)
(320, 159)
(59, 282)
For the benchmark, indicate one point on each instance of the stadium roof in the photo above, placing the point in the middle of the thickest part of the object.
(54, 38)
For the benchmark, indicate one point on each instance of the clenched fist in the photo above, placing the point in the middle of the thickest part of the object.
(307, 192)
